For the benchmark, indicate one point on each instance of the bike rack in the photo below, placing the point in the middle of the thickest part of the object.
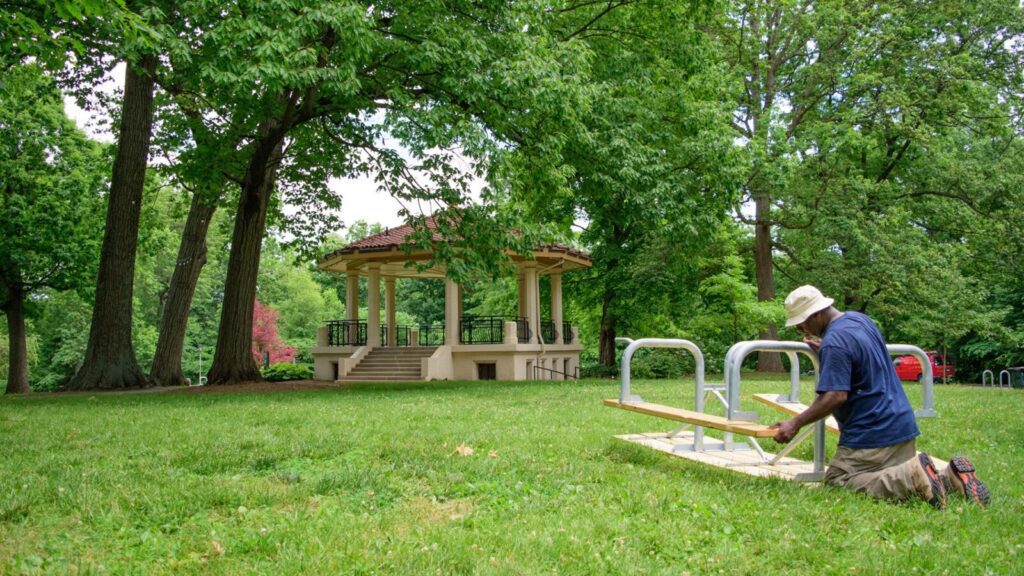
(991, 378)
(1009, 383)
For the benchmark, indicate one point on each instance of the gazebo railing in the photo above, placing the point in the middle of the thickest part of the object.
(548, 331)
(346, 333)
(523, 330)
(481, 330)
(472, 330)
(431, 335)
(402, 334)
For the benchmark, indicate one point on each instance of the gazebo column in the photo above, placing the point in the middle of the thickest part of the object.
(352, 296)
(389, 305)
(451, 312)
(556, 306)
(521, 279)
(532, 300)
(352, 305)
(373, 306)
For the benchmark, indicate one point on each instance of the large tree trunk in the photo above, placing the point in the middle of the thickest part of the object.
(606, 337)
(233, 360)
(166, 370)
(109, 357)
(766, 361)
(17, 370)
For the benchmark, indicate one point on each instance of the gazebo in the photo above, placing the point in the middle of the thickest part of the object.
(524, 347)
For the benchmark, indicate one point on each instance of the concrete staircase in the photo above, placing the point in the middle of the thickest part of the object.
(390, 365)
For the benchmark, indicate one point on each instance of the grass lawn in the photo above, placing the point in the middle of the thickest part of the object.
(372, 480)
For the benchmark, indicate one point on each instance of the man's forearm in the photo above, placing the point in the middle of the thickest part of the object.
(823, 406)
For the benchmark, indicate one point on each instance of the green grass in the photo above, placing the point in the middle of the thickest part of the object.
(367, 480)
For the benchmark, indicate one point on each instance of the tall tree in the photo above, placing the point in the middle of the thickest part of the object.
(327, 75)
(842, 109)
(50, 181)
(650, 158)
(110, 360)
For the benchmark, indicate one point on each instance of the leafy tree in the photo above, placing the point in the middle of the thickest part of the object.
(850, 116)
(265, 340)
(326, 72)
(50, 180)
(650, 160)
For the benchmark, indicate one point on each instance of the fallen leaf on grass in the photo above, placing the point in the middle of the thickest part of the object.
(463, 450)
(492, 454)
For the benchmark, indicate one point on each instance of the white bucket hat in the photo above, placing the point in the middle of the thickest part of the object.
(803, 302)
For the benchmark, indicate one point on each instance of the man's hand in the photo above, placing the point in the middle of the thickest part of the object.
(786, 431)
(813, 342)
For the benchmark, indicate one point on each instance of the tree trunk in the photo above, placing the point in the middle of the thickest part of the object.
(233, 360)
(166, 370)
(606, 338)
(109, 357)
(766, 361)
(17, 370)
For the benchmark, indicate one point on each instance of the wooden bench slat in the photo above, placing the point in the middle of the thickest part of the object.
(697, 418)
(793, 408)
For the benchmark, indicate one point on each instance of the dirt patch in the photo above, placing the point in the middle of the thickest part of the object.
(254, 387)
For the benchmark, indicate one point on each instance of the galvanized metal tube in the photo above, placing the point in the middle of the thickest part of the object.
(739, 351)
(928, 410)
(794, 376)
(624, 392)
(991, 378)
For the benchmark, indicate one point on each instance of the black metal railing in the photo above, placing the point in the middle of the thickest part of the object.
(481, 330)
(402, 334)
(346, 333)
(472, 330)
(548, 332)
(538, 370)
(523, 330)
(431, 335)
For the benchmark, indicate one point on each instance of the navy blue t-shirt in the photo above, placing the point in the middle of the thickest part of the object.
(854, 359)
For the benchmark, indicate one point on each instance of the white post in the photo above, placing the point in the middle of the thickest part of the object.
(451, 312)
(352, 306)
(556, 306)
(389, 304)
(521, 280)
(373, 306)
(532, 300)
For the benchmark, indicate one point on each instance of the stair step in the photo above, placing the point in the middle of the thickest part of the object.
(390, 365)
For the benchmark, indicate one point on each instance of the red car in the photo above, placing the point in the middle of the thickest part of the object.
(909, 368)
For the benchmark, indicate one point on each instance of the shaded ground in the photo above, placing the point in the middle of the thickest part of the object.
(253, 387)
(242, 387)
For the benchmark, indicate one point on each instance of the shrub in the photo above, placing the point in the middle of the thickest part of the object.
(661, 363)
(286, 371)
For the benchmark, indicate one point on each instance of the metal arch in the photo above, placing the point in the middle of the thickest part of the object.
(1009, 381)
(928, 409)
(625, 395)
(734, 360)
(991, 378)
(739, 351)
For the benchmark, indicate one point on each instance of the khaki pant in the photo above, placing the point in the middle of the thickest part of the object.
(877, 472)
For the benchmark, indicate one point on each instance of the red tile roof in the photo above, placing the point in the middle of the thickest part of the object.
(392, 238)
